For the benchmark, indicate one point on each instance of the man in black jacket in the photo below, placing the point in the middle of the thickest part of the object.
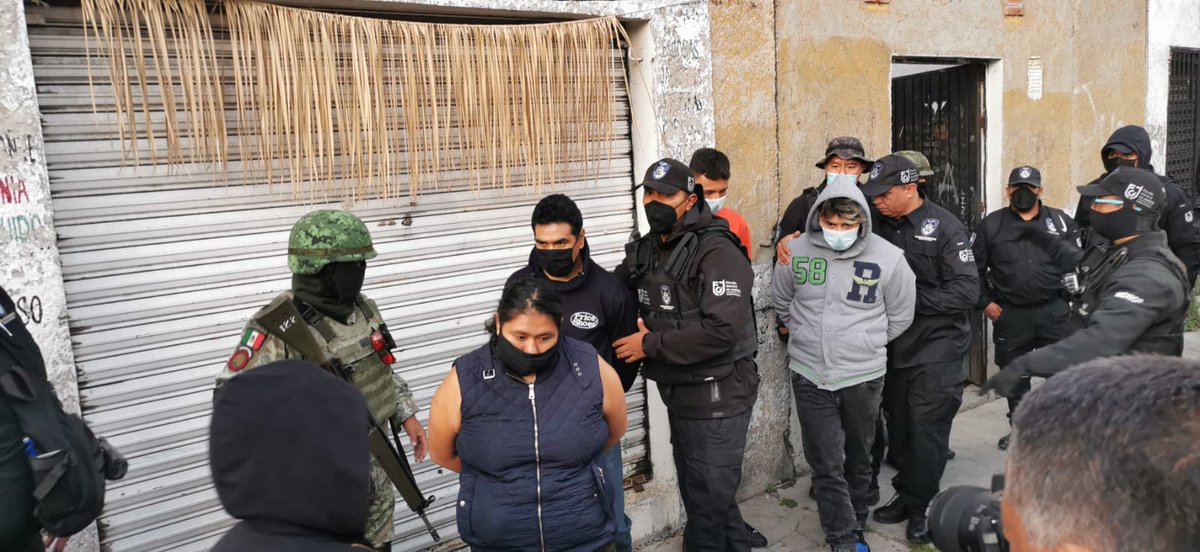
(923, 388)
(1129, 146)
(697, 342)
(1133, 298)
(289, 458)
(1021, 273)
(19, 528)
(597, 308)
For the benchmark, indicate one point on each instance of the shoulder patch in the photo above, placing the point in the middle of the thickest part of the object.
(1129, 297)
(1189, 216)
(252, 341)
(966, 255)
(728, 288)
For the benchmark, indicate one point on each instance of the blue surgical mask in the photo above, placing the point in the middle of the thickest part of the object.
(830, 178)
(715, 205)
(840, 240)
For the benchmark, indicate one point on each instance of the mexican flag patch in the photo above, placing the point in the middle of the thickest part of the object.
(253, 339)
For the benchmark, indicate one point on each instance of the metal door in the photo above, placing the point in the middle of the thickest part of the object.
(162, 266)
(939, 114)
(1183, 120)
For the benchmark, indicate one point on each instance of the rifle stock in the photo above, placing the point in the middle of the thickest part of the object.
(284, 321)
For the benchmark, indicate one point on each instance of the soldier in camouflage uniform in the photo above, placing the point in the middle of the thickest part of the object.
(327, 254)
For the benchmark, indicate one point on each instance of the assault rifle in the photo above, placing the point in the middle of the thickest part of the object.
(283, 320)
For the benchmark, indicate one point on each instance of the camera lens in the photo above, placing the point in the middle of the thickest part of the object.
(959, 517)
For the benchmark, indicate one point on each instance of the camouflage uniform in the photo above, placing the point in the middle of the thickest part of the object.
(317, 239)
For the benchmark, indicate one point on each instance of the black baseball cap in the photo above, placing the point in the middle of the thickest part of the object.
(1025, 175)
(846, 147)
(1120, 147)
(669, 176)
(1138, 187)
(888, 171)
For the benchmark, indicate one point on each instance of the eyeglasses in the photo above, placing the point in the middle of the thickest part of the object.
(1108, 201)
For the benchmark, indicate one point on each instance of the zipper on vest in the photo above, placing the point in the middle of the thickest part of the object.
(537, 459)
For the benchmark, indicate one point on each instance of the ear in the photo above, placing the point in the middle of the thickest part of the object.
(691, 201)
(582, 239)
(497, 321)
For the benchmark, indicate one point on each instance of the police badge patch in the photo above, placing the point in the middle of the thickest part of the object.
(664, 292)
(929, 226)
(1050, 225)
(1025, 172)
(661, 170)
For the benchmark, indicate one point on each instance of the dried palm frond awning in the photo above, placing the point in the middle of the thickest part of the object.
(378, 104)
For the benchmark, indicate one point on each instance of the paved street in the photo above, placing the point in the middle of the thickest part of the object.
(789, 518)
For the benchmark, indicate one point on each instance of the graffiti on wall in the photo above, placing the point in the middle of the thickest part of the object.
(16, 227)
(19, 146)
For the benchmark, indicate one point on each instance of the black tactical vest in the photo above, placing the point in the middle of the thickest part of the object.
(669, 299)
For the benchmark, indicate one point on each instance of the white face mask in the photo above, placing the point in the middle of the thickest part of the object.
(830, 178)
(840, 240)
(715, 205)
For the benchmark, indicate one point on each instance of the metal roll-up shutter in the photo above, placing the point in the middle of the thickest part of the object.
(162, 267)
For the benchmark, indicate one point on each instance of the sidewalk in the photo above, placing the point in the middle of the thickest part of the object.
(788, 517)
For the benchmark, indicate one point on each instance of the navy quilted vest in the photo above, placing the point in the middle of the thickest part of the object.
(507, 457)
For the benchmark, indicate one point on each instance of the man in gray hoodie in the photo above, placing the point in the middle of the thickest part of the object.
(845, 294)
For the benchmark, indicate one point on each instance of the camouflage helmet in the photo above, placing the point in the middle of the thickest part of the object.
(327, 236)
(919, 160)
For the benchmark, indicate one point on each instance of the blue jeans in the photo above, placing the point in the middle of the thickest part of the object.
(613, 469)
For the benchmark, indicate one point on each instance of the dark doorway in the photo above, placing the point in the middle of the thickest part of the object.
(937, 109)
(1183, 120)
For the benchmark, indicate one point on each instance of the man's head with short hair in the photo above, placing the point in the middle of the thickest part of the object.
(1105, 457)
(842, 209)
(712, 172)
(558, 208)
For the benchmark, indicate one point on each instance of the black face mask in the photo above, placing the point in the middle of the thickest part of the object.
(521, 362)
(555, 262)
(1022, 199)
(333, 290)
(1111, 164)
(1118, 224)
(347, 280)
(661, 217)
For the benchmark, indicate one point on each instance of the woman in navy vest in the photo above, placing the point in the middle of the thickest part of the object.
(522, 420)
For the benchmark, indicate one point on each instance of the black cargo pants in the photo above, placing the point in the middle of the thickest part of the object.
(1021, 329)
(708, 460)
(920, 402)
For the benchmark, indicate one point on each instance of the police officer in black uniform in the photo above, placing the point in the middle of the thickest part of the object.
(923, 387)
(1133, 293)
(698, 341)
(1021, 273)
(1129, 146)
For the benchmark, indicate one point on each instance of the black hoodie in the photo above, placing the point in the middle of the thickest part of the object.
(1183, 237)
(597, 308)
(289, 458)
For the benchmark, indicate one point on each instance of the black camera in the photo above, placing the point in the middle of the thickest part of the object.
(967, 519)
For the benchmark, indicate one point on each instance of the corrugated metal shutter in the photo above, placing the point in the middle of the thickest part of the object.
(162, 268)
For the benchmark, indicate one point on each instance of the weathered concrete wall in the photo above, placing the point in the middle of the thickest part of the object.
(30, 271)
(743, 83)
(1170, 23)
(834, 62)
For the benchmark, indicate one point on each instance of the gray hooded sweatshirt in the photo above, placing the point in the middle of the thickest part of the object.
(842, 308)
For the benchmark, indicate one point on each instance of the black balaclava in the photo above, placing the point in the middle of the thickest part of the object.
(1113, 163)
(1023, 199)
(333, 290)
(1122, 223)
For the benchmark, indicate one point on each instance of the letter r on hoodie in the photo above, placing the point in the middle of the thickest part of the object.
(866, 281)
